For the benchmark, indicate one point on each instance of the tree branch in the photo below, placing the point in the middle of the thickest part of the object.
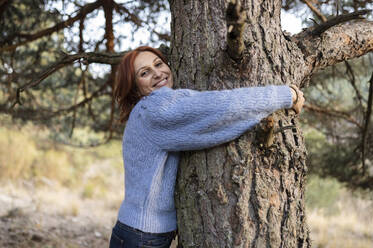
(332, 113)
(120, 8)
(42, 113)
(337, 20)
(31, 37)
(367, 121)
(109, 34)
(137, 21)
(81, 38)
(351, 75)
(81, 103)
(337, 44)
(80, 85)
(315, 10)
(104, 58)
(86, 58)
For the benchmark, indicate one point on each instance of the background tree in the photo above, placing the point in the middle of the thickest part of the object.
(339, 106)
(44, 41)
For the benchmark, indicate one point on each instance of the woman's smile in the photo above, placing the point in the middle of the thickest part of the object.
(161, 83)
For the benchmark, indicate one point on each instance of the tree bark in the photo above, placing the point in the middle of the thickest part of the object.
(244, 193)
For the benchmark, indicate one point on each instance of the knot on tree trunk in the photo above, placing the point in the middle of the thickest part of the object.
(235, 17)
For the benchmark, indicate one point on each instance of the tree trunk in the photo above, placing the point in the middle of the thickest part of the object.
(250, 192)
(244, 193)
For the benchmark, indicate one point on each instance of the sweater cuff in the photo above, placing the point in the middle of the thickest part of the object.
(284, 97)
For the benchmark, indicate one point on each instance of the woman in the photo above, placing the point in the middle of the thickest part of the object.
(160, 123)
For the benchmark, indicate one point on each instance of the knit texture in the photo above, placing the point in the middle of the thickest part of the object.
(168, 121)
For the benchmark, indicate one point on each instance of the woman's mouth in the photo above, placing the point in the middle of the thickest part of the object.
(161, 83)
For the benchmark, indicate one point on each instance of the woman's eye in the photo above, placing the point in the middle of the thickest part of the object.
(144, 73)
(158, 64)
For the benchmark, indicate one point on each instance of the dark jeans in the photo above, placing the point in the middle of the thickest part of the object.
(128, 237)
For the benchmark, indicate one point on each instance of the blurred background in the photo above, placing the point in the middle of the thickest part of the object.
(61, 171)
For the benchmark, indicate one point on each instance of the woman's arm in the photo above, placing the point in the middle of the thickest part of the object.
(178, 120)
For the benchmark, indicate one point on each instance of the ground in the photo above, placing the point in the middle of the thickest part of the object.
(38, 219)
(47, 215)
(51, 216)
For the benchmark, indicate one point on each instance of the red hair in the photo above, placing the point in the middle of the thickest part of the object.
(126, 93)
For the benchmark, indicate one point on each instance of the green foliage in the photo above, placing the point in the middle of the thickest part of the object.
(323, 193)
(328, 159)
(333, 135)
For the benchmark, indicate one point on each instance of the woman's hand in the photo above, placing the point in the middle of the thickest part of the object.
(298, 99)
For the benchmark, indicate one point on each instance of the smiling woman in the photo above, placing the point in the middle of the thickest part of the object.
(162, 122)
(151, 73)
(142, 60)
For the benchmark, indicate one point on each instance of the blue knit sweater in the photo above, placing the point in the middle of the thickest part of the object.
(168, 121)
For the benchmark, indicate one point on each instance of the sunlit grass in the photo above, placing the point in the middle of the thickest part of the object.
(338, 218)
(17, 154)
(71, 181)
(28, 154)
(340, 231)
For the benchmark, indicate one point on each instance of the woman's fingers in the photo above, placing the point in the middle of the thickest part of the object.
(298, 99)
(299, 105)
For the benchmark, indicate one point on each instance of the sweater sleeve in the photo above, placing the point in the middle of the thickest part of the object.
(178, 120)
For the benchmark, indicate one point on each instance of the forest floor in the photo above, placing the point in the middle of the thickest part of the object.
(50, 218)
(46, 215)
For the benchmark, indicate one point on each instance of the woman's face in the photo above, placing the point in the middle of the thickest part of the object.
(151, 73)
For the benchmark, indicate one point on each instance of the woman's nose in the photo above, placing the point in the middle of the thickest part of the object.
(157, 73)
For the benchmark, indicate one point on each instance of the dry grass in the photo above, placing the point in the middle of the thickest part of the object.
(348, 225)
(51, 188)
(51, 215)
(28, 154)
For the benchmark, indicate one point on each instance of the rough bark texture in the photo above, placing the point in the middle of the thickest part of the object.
(342, 42)
(240, 194)
(243, 194)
